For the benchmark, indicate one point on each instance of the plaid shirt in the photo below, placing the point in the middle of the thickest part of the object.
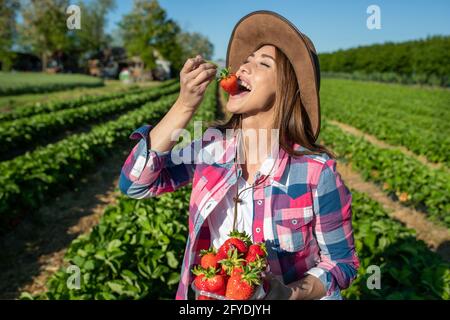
(302, 213)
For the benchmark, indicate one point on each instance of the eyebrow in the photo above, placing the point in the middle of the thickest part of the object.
(263, 55)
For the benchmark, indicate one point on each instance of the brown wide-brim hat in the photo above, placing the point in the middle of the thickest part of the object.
(269, 28)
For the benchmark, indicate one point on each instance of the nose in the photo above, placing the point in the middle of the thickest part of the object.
(242, 68)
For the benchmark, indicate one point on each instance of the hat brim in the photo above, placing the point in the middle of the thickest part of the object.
(269, 28)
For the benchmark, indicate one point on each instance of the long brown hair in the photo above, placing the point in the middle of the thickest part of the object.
(290, 118)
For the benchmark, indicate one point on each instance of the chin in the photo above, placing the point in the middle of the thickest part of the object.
(233, 108)
(236, 105)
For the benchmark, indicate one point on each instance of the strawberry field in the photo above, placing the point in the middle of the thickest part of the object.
(136, 248)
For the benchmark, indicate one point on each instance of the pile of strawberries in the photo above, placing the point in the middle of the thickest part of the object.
(234, 270)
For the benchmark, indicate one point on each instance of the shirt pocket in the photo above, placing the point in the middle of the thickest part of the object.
(293, 228)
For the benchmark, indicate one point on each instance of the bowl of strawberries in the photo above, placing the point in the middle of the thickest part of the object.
(232, 272)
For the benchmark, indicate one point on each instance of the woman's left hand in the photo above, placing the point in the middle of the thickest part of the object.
(277, 289)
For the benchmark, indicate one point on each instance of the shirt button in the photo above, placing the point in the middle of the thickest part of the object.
(294, 222)
(259, 202)
(258, 230)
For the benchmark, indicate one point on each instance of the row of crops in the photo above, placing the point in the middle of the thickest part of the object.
(60, 104)
(412, 117)
(33, 82)
(35, 130)
(32, 178)
(400, 176)
(405, 116)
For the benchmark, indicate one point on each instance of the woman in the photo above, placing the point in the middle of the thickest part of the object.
(291, 198)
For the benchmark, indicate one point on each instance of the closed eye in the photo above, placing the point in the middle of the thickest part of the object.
(262, 63)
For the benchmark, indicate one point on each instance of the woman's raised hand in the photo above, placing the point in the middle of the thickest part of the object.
(194, 79)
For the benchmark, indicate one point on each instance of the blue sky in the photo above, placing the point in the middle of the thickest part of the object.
(331, 25)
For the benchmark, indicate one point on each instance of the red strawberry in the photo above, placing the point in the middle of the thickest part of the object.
(208, 258)
(256, 251)
(217, 284)
(228, 81)
(232, 262)
(236, 271)
(242, 286)
(238, 240)
(199, 280)
(208, 280)
(222, 253)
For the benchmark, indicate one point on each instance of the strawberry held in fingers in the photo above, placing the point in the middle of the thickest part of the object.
(228, 81)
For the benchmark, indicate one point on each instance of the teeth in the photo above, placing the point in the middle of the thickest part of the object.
(245, 84)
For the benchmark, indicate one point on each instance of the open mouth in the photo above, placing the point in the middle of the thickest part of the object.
(242, 90)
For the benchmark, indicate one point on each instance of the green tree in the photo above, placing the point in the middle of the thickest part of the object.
(92, 36)
(417, 61)
(147, 31)
(44, 30)
(195, 43)
(8, 10)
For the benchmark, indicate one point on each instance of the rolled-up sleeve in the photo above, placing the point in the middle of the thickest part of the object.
(148, 173)
(338, 263)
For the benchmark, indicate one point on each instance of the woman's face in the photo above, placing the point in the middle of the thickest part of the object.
(259, 73)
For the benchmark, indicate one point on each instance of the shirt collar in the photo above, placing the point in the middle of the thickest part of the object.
(280, 158)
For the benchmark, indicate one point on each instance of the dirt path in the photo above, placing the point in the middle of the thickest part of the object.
(34, 250)
(382, 144)
(435, 236)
